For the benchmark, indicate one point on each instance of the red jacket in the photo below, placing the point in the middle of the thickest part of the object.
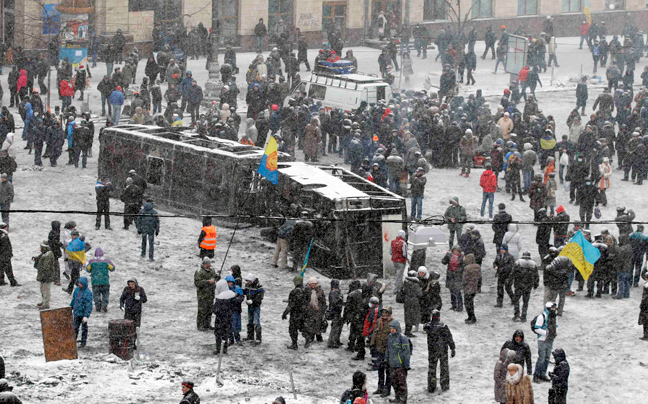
(397, 250)
(584, 29)
(370, 322)
(488, 181)
(66, 88)
(522, 77)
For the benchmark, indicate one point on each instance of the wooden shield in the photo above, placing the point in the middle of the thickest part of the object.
(58, 334)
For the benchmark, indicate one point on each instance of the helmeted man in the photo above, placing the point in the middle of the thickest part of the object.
(207, 238)
(439, 339)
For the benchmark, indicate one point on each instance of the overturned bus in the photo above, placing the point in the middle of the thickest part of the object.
(354, 219)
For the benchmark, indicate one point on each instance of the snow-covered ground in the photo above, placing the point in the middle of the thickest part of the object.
(600, 336)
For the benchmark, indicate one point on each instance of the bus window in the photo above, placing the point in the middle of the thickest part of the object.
(317, 91)
(381, 92)
(155, 171)
(300, 88)
(370, 94)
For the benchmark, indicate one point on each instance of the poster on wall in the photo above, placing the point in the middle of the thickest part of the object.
(51, 19)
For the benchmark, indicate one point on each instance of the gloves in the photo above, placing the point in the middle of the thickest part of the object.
(156, 233)
(453, 353)
(139, 232)
(283, 316)
(248, 302)
(85, 319)
(137, 297)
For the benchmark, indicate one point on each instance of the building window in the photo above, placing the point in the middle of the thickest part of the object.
(612, 5)
(228, 14)
(571, 6)
(142, 5)
(280, 11)
(527, 7)
(334, 16)
(434, 10)
(482, 8)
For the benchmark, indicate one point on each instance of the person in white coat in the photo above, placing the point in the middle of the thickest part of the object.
(513, 240)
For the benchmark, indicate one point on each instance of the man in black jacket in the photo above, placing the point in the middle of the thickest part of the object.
(525, 278)
(500, 224)
(132, 198)
(556, 279)
(103, 189)
(105, 87)
(297, 302)
(439, 339)
(334, 313)
(260, 32)
(6, 253)
(189, 396)
(82, 140)
(559, 378)
(354, 312)
(522, 350)
(503, 265)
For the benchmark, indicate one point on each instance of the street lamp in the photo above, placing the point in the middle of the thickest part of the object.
(214, 84)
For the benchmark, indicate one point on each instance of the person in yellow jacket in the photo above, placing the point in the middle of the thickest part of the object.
(207, 238)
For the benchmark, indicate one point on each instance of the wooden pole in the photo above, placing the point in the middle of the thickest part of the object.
(292, 382)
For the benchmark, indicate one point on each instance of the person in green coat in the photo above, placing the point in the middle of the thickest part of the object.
(455, 216)
(45, 264)
(205, 281)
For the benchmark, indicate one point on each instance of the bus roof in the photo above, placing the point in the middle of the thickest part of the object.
(356, 78)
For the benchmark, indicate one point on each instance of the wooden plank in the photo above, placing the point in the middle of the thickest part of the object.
(58, 334)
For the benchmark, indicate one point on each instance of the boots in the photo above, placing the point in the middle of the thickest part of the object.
(293, 345)
(521, 198)
(250, 332)
(258, 335)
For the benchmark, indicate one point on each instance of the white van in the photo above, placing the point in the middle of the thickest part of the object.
(344, 91)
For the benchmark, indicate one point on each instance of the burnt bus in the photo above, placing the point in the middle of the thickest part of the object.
(354, 219)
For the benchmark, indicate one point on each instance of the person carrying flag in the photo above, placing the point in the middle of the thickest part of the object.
(76, 256)
(301, 236)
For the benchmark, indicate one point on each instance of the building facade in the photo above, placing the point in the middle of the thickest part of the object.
(24, 21)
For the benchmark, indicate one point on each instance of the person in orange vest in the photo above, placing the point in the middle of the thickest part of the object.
(207, 239)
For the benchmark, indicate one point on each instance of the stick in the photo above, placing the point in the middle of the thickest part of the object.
(220, 360)
(292, 382)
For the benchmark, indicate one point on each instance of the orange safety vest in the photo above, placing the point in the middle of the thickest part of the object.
(209, 242)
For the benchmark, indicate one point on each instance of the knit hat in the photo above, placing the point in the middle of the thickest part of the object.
(423, 269)
(313, 279)
(298, 280)
(250, 277)
(501, 206)
(206, 260)
(188, 383)
(560, 209)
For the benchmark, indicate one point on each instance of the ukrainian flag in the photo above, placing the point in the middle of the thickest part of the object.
(303, 271)
(582, 254)
(587, 13)
(268, 165)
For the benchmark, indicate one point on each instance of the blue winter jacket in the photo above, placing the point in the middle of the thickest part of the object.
(399, 348)
(70, 132)
(82, 299)
(116, 98)
(185, 85)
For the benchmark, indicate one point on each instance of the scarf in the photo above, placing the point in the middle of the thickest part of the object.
(516, 378)
(314, 303)
(454, 262)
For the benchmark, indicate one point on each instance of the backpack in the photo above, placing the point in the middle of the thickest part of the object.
(533, 324)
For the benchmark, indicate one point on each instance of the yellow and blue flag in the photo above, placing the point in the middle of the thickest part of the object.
(268, 166)
(587, 13)
(582, 254)
(306, 259)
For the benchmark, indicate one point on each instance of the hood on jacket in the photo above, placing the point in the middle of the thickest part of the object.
(249, 122)
(503, 354)
(335, 284)
(518, 333)
(395, 324)
(23, 72)
(223, 291)
(359, 379)
(559, 355)
(355, 285)
(388, 309)
(148, 206)
(230, 278)
(510, 356)
(469, 259)
(56, 225)
(455, 199)
(83, 281)
(28, 106)
(512, 227)
(134, 280)
(528, 146)
(371, 278)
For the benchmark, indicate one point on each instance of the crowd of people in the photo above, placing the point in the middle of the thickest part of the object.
(393, 143)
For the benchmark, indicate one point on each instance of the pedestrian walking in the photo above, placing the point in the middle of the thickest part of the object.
(81, 309)
(148, 225)
(100, 268)
(439, 339)
(131, 301)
